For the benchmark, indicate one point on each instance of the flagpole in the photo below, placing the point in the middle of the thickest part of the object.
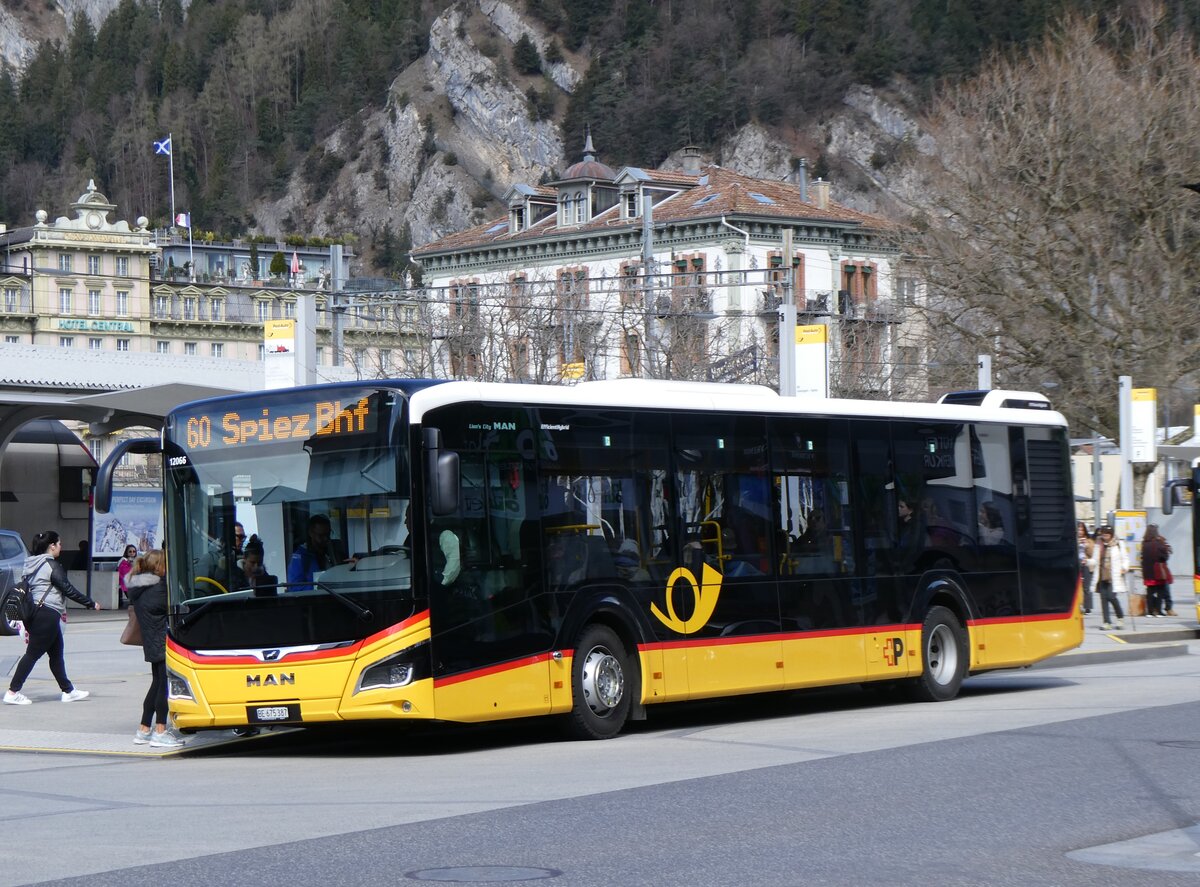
(171, 173)
(191, 257)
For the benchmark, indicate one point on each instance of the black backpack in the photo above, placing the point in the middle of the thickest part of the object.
(17, 606)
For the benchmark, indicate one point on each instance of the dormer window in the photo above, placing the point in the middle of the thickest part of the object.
(564, 209)
(631, 205)
(580, 208)
(518, 219)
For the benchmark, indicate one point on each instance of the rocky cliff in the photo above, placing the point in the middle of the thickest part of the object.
(456, 130)
(23, 25)
(454, 134)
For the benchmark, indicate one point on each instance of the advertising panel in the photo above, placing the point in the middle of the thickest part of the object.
(134, 519)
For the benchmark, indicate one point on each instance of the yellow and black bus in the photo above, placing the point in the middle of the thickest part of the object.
(467, 552)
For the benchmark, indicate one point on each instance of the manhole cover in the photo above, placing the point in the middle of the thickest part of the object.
(1181, 743)
(484, 874)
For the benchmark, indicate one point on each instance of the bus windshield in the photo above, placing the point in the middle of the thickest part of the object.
(287, 517)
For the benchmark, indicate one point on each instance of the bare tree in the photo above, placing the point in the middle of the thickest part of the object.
(563, 326)
(1054, 228)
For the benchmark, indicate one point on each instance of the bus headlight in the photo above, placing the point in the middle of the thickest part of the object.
(178, 687)
(397, 670)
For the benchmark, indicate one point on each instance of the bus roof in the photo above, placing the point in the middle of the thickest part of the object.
(1023, 408)
(1019, 407)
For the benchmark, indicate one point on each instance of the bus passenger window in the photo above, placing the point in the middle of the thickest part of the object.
(724, 492)
(810, 470)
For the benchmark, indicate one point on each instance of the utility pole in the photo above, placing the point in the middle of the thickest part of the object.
(984, 363)
(787, 323)
(337, 307)
(1125, 394)
(647, 272)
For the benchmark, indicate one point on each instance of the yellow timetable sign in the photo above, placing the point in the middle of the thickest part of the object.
(812, 334)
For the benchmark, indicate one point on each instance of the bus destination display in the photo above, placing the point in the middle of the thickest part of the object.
(277, 423)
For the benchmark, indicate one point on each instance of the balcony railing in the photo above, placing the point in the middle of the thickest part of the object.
(818, 303)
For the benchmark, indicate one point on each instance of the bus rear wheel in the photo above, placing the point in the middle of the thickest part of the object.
(601, 685)
(944, 657)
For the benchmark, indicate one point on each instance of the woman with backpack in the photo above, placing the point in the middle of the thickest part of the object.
(48, 590)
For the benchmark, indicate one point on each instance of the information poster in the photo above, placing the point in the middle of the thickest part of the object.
(279, 363)
(812, 360)
(1144, 425)
(1130, 527)
(135, 518)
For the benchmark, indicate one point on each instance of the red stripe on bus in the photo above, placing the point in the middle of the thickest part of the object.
(1021, 620)
(311, 655)
(775, 636)
(491, 670)
(408, 623)
(849, 631)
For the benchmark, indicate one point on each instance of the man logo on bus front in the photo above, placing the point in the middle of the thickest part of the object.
(270, 655)
(706, 593)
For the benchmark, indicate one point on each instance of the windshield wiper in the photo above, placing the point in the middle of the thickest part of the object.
(357, 609)
(362, 612)
(190, 617)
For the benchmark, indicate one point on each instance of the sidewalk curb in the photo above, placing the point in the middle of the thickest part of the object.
(1129, 653)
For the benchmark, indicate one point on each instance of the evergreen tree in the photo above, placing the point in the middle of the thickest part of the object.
(526, 58)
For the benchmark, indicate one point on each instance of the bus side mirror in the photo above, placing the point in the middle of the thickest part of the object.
(441, 470)
(1168, 493)
(104, 479)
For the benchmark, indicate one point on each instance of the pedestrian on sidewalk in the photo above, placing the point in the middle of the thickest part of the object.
(1109, 566)
(123, 569)
(1086, 549)
(49, 589)
(148, 596)
(1156, 576)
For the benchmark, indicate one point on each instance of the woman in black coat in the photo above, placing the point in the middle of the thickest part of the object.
(148, 596)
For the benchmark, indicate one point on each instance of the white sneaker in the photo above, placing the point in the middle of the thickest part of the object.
(18, 698)
(165, 739)
(75, 695)
(141, 737)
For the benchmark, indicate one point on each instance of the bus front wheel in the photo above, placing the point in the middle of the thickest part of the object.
(944, 657)
(600, 685)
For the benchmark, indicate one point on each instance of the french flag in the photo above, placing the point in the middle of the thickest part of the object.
(184, 220)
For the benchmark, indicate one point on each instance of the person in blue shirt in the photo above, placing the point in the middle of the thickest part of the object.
(313, 556)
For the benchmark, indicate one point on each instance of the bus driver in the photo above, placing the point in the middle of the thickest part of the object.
(312, 556)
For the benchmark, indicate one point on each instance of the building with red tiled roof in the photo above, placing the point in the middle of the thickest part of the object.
(665, 272)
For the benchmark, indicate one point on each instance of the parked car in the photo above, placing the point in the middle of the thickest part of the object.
(12, 563)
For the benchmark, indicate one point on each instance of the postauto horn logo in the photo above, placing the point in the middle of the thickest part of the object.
(706, 593)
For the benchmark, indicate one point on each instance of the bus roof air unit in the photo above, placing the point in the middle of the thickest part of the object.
(1018, 400)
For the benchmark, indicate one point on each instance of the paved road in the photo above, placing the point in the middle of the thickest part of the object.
(832, 787)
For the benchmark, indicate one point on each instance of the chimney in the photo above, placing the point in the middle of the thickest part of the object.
(800, 177)
(820, 190)
(691, 160)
